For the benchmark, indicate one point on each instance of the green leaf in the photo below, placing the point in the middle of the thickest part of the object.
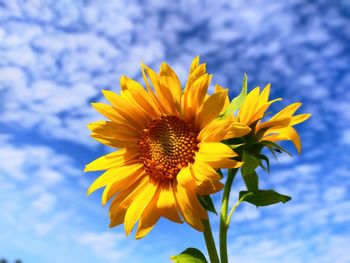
(238, 101)
(207, 203)
(190, 255)
(263, 197)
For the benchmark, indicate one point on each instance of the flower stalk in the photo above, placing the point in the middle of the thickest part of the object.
(224, 224)
(209, 241)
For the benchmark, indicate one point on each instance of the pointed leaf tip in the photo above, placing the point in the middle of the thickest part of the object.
(238, 101)
(190, 255)
(263, 197)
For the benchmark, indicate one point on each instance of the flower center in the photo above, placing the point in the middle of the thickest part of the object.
(167, 145)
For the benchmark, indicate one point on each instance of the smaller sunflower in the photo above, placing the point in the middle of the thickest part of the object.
(169, 148)
(279, 127)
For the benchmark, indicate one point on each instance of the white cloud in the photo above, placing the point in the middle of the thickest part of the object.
(334, 194)
(105, 245)
(246, 213)
(44, 203)
(346, 137)
(55, 57)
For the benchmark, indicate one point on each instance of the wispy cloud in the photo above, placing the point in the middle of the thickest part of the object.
(55, 58)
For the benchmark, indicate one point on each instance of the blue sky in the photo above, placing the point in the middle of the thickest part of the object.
(56, 56)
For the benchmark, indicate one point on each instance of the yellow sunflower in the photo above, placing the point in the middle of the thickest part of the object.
(279, 127)
(169, 148)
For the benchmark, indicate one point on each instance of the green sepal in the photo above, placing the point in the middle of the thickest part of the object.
(235, 146)
(207, 203)
(274, 147)
(250, 163)
(250, 177)
(263, 197)
(220, 173)
(238, 101)
(190, 255)
(262, 158)
(251, 181)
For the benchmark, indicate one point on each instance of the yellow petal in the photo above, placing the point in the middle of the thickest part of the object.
(165, 100)
(130, 84)
(109, 112)
(248, 109)
(189, 207)
(218, 88)
(122, 174)
(292, 135)
(111, 129)
(204, 172)
(210, 109)
(128, 110)
(260, 111)
(274, 124)
(215, 131)
(113, 142)
(122, 201)
(196, 95)
(114, 159)
(288, 133)
(148, 218)
(208, 188)
(166, 203)
(237, 130)
(150, 91)
(194, 64)
(299, 118)
(216, 150)
(216, 155)
(169, 79)
(119, 186)
(140, 96)
(185, 178)
(196, 74)
(287, 111)
(138, 205)
(264, 96)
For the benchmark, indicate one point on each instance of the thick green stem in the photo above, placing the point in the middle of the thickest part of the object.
(223, 215)
(209, 241)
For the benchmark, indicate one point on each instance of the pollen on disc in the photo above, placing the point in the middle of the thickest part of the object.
(166, 146)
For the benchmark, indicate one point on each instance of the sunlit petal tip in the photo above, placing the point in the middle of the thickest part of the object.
(238, 164)
(104, 91)
(89, 192)
(219, 88)
(307, 116)
(86, 168)
(194, 64)
(94, 104)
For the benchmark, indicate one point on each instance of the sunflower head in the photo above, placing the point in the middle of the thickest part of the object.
(278, 128)
(167, 148)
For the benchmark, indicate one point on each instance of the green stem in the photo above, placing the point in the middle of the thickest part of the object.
(233, 209)
(223, 215)
(209, 241)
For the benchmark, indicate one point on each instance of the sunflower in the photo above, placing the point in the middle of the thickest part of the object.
(168, 148)
(279, 127)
